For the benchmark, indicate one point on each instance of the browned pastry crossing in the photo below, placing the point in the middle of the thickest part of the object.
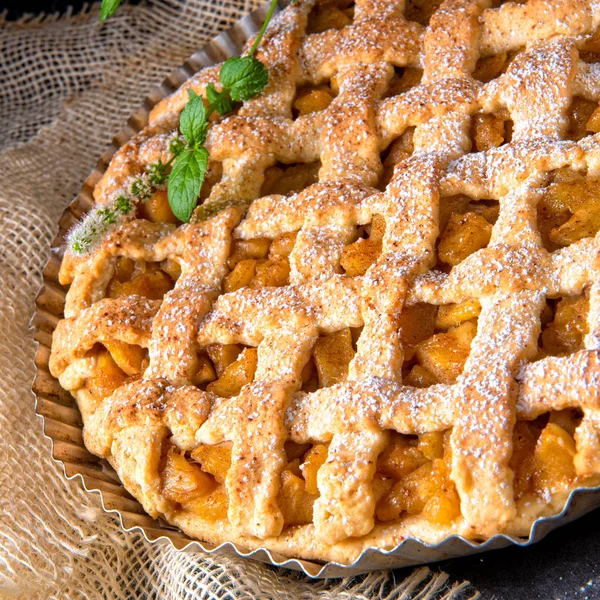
(384, 319)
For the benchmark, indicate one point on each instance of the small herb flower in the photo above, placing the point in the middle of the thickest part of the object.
(84, 237)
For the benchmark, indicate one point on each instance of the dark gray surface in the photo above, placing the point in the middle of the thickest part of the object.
(18, 8)
(563, 566)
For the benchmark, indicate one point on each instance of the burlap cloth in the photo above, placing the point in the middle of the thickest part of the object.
(66, 86)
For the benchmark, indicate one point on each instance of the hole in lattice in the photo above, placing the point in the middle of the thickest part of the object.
(289, 179)
(403, 80)
(421, 11)
(358, 256)
(195, 481)
(584, 118)
(148, 279)
(259, 262)
(490, 130)
(157, 209)
(491, 67)
(400, 149)
(224, 369)
(413, 478)
(589, 51)
(329, 360)
(564, 326)
(335, 14)
(299, 488)
(117, 363)
(543, 452)
(311, 99)
(465, 226)
(437, 341)
(569, 210)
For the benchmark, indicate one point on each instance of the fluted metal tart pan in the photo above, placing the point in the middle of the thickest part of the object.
(63, 425)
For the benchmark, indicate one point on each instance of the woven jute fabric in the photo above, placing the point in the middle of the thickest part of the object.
(66, 86)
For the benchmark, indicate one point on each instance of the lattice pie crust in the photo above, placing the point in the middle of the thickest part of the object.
(390, 326)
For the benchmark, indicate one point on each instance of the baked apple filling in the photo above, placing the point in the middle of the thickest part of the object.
(421, 11)
(584, 118)
(329, 361)
(569, 210)
(150, 280)
(564, 326)
(333, 14)
(404, 79)
(311, 99)
(224, 369)
(437, 341)
(194, 485)
(259, 263)
(589, 50)
(289, 179)
(117, 363)
(465, 226)
(413, 475)
(491, 67)
(543, 454)
(400, 149)
(490, 130)
(361, 254)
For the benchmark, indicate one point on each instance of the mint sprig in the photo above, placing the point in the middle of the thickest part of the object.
(87, 234)
(108, 8)
(187, 175)
(241, 79)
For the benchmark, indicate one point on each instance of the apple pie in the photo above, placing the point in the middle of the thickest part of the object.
(383, 320)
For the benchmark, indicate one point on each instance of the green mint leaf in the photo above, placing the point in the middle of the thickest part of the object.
(185, 182)
(244, 77)
(108, 8)
(193, 122)
(219, 101)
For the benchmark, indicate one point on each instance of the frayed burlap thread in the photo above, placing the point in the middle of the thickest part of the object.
(68, 84)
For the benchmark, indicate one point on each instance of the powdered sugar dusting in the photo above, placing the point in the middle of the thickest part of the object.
(511, 277)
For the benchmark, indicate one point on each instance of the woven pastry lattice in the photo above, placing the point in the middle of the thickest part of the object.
(510, 277)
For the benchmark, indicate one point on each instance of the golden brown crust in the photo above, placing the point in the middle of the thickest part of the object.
(511, 277)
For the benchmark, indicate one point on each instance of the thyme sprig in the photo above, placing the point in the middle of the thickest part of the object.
(241, 78)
